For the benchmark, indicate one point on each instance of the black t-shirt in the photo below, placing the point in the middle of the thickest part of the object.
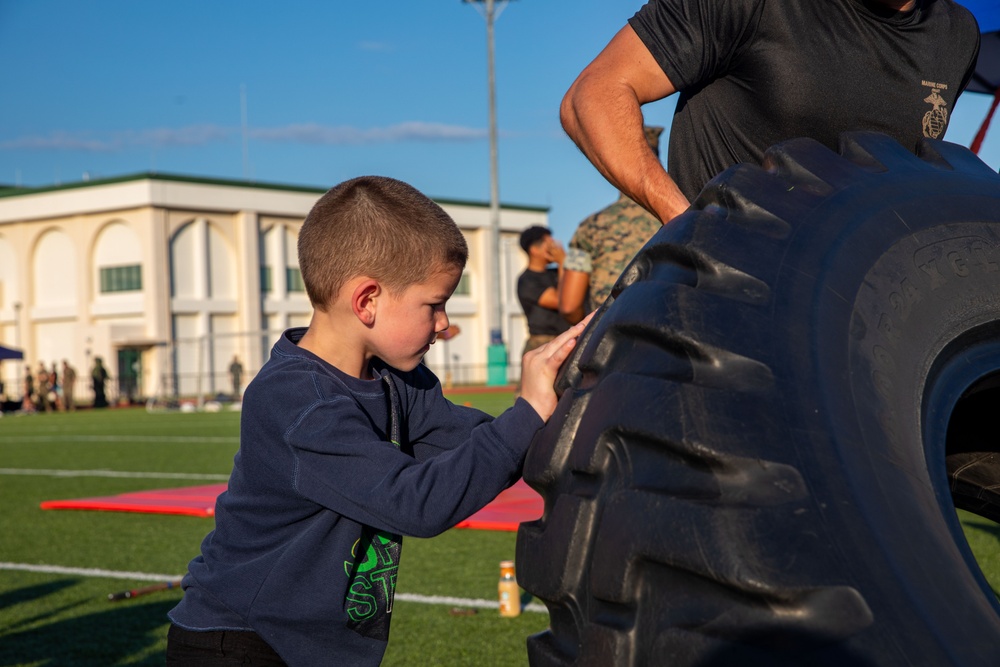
(753, 73)
(541, 321)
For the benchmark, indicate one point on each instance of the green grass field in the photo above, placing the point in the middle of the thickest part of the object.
(64, 618)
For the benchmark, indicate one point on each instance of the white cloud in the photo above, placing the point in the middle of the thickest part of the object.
(60, 141)
(312, 133)
(201, 135)
(194, 135)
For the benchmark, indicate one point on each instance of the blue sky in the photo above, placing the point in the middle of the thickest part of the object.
(334, 89)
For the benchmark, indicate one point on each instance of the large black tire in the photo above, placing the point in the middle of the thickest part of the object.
(748, 465)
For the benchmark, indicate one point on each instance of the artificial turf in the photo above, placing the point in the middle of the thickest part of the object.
(66, 619)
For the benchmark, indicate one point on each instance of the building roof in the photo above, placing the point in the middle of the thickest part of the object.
(7, 191)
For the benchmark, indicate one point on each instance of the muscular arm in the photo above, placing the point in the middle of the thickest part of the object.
(602, 114)
(572, 291)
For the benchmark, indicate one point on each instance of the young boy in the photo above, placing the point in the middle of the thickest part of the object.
(347, 443)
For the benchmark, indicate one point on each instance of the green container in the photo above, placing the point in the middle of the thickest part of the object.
(496, 365)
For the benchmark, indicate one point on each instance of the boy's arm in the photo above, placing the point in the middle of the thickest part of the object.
(437, 424)
(349, 470)
(342, 464)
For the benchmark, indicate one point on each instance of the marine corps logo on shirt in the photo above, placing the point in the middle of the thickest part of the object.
(935, 120)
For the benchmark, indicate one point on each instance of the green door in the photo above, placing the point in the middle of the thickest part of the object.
(129, 372)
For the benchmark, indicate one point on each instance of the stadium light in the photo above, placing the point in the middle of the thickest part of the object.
(496, 352)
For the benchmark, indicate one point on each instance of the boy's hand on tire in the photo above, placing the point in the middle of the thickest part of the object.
(540, 367)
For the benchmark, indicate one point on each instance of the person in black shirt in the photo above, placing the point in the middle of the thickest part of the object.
(752, 73)
(538, 287)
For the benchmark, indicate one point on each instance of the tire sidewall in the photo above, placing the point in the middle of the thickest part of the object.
(925, 286)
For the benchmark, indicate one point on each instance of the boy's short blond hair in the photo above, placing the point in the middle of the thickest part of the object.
(377, 227)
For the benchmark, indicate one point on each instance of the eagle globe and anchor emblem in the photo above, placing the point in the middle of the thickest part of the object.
(935, 120)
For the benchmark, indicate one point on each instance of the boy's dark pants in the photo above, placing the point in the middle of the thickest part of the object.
(218, 649)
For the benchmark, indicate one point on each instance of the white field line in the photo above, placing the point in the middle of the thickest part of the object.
(88, 572)
(462, 602)
(170, 439)
(42, 472)
(144, 576)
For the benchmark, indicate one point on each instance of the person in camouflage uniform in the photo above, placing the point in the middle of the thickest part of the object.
(602, 247)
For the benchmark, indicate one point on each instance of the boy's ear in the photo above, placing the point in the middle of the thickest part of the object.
(364, 300)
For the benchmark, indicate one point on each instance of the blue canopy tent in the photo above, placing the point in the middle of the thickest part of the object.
(987, 76)
(10, 353)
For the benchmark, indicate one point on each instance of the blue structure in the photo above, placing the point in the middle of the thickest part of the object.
(987, 76)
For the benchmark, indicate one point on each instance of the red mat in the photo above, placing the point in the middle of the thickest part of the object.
(189, 501)
(518, 503)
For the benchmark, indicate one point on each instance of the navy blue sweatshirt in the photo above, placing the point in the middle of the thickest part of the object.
(331, 471)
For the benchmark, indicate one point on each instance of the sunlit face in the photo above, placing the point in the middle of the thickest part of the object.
(407, 324)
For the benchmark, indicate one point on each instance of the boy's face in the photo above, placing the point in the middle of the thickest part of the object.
(407, 324)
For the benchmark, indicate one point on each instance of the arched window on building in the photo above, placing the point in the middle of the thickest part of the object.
(53, 306)
(118, 302)
(117, 264)
(205, 320)
(283, 295)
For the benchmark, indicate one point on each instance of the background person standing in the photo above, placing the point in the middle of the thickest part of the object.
(55, 394)
(236, 374)
(44, 383)
(602, 247)
(98, 377)
(538, 287)
(28, 402)
(68, 386)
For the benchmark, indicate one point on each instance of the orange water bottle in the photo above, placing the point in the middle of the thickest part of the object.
(510, 594)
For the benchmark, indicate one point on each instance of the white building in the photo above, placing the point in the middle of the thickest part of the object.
(167, 278)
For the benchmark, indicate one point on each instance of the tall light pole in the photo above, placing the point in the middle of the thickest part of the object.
(496, 352)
